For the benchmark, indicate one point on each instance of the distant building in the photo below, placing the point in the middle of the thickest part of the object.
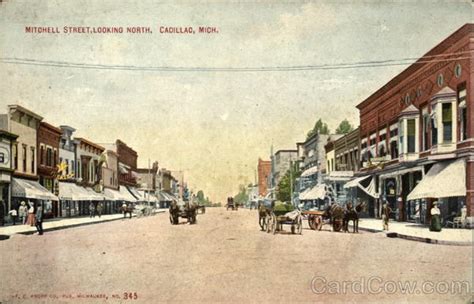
(264, 169)
(283, 159)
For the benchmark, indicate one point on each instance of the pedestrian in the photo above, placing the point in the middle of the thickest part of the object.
(91, 210)
(13, 214)
(435, 223)
(23, 212)
(124, 209)
(386, 211)
(31, 215)
(39, 220)
(99, 209)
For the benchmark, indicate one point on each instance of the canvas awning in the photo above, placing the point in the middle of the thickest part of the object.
(94, 196)
(317, 192)
(136, 194)
(72, 192)
(356, 182)
(115, 195)
(148, 197)
(303, 194)
(310, 171)
(31, 189)
(126, 195)
(444, 179)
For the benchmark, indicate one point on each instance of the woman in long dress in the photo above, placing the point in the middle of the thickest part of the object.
(31, 215)
(435, 224)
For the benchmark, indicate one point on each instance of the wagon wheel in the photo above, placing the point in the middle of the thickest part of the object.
(275, 223)
(318, 223)
(312, 222)
(337, 225)
(299, 223)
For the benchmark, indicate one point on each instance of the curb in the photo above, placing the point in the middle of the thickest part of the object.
(418, 238)
(5, 237)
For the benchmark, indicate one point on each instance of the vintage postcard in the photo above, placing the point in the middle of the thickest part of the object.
(236, 151)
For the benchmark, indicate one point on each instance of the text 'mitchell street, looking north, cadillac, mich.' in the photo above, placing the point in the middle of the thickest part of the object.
(161, 29)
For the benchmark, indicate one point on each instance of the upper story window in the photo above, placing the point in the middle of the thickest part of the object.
(393, 141)
(443, 120)
(23, 154)
(425, 132)
(15, 156)
(462, 108)
(408, 132)
(33, 160)
(447, 118)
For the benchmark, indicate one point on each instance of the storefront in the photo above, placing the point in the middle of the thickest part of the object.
(32, 191)
(74, 200)
(363, 189)
(445, 182)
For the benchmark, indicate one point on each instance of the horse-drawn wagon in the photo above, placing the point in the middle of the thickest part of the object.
(184, 210)
(273, 217)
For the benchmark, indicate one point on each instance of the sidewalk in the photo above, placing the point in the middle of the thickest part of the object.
(420, 233)
(62, 223)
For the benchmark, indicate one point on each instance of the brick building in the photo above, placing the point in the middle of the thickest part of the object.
(417, 133)
(48, 158)
(264, 170)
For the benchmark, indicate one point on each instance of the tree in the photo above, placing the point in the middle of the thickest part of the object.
(319, 127)
(284, 188)
(344, 127)
(242, 196)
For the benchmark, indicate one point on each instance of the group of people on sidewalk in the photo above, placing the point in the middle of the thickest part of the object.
(28, 215)
(93, 209)
(435, 221)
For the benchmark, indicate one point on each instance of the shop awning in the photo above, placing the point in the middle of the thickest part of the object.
(356, 182)
(126, 195)
(94, 195)
(72, 192)
(304, 193)
(310, 171)
(136, 194)
(114, 195)
(31, 189)
(317, 192)
(444, 179)
(148, 197)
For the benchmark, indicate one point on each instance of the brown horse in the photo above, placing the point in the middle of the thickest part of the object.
(352, 214)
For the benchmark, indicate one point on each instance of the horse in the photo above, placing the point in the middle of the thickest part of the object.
(191, 210)
(352, 214)
(263, 211)
(174, 212)
(334, 213)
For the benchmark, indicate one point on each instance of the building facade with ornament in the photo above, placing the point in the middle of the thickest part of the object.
(25, 186)
(48, 159)
(417, 134)
(7, 140)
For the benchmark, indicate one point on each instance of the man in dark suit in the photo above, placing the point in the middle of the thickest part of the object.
(39, 219)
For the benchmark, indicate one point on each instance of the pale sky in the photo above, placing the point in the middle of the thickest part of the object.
(212, 125)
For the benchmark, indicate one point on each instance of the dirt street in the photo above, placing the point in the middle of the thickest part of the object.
(224, 258)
